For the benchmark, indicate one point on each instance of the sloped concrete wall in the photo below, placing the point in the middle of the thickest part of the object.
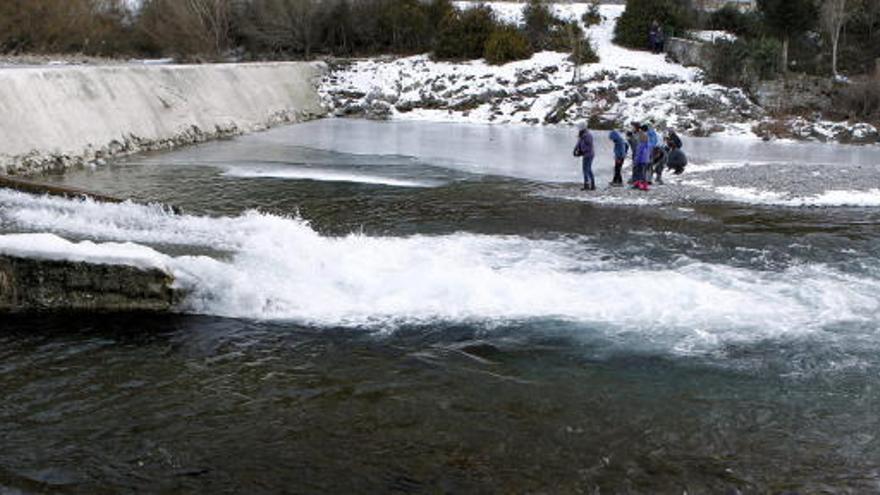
(57, 117)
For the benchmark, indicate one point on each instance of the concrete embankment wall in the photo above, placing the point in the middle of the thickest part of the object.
(30, 285)
(56, 117)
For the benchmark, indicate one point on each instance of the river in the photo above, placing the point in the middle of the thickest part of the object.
(423, 308)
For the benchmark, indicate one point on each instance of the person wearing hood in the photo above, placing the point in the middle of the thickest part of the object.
(585, 150)
(653, 138)
(643, 162)
(620, 151)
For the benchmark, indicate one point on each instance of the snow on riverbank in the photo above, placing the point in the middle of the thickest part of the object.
(624, 85)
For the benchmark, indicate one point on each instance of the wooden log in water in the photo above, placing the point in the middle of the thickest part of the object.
(31, 187)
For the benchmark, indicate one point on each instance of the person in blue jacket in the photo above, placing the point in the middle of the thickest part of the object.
(653, 137)
(620, 151)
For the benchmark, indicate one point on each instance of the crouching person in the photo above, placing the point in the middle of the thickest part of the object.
(677, 160)
(658, 164)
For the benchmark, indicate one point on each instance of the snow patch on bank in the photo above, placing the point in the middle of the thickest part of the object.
(869, 198)
(624, 85)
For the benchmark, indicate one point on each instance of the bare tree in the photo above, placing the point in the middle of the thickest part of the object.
(189, 26)
(284, 25)
(834, 15)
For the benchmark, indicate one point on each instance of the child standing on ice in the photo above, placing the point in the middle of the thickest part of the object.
(620, 150)
(584, 150)
(643, 161)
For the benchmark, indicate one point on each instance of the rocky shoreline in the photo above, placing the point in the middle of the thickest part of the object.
(542, 93)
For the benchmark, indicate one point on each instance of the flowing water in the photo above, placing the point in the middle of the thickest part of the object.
(424, 308)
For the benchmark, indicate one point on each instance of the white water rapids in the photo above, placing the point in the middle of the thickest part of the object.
(280, 268)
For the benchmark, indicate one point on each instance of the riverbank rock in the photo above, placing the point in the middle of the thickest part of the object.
(40, 285)
(816, 129)
(543, 90)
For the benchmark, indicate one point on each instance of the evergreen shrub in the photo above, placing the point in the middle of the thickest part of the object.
(730, 19)
(744, 62)
(539, 24)
(592, 17)
(463, 35)
(675, 16)
(507, 44)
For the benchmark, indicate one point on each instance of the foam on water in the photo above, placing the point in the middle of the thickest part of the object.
(869, 198)
(281, 268)
(325, 175)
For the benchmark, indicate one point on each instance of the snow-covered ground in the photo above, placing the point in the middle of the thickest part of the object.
(624, 85)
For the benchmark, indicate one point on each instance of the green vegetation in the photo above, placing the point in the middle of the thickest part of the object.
(592, 17)
(732, 20)
(674, 16)
(464, 34)
(507, 44)
(744, 62)
(208, 30)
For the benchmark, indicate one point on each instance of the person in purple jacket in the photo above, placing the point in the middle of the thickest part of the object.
(643, 161)
(584, 149)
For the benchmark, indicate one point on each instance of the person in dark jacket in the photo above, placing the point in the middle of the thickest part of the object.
(620, 151)
(673, 139)
(661, 40)
(677, 160)
(658, 163)
(584, 149)
(653, 36)
(632, 138)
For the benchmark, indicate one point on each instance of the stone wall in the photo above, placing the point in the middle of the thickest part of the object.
(55, 117)
(688, 52)
(39, 285)
(795, 93)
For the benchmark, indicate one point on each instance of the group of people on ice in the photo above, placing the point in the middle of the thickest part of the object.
(650, 158)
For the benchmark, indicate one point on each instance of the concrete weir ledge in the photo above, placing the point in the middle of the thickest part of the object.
(52, 118)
